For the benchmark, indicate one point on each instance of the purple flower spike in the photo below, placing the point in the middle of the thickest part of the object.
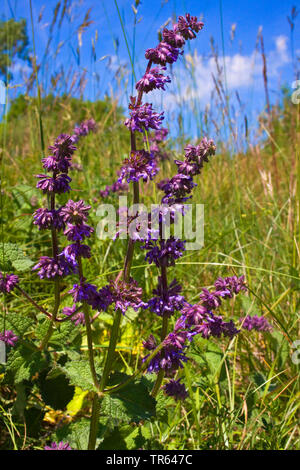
(143, 118)
(49, 268)
(175, 389)
(173, 37)
(46, 219)
(126, 294)
(152, 80)
(165, 303)
(63, 147)
(9, 338)
(255, 323)
(8, 282)
(71, 252)
(163, 252)
(84, 129)
(163, 54)
(188, 26)
(75, 212)
(78, 232)
(140, 164)
(58, 185)
(78, 318)
(60, 446)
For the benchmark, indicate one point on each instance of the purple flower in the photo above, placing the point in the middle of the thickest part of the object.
(177, 188)
(163, 252)
(165, 303)
(8, 282)
(173, 37)
(152, 80)
(63, 147)
(170, 358)
(255, 323)
(143, 118)
(232, 285)
(58, 185)
(9, 338)
(78, 232)
(210, 300)
(126, 294)
(84, 129)
(84, 292)
(78, 318)
(162, 54)
(215, 326)
(188, 26)
(71, 252)
(46, 219)
(116, 187)
(50, 268)
(75, 212)
(175, 389)
(192, 315)
(60, 446)
(140, 164)
(52, 163)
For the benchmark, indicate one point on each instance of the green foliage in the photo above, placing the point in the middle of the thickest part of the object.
(130, 404)
(13, 43)
(79, 373)
(77, 433)
(12, 257)
(23, 364)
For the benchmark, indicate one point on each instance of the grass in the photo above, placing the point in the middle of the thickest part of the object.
(244, 394)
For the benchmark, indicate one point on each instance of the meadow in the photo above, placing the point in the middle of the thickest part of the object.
(241, 390)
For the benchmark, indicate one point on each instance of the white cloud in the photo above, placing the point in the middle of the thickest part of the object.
(242, 71)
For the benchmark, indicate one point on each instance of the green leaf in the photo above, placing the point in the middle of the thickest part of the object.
(79, 374)
(23, 363)
(12, 257)
(77, 433)
(20, 403)
(19, 323)
(123, 438)
(250, 306)
(56, 390)
(131, 404)
(162, 408)
(64, 335)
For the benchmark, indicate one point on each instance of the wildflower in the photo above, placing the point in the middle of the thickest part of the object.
(63, 147)
(177, 188)
(170, 358)
(72, 252)
(83, 129)
(46, 219)
(163, 252)
(117, 187)
(50, 268)
(126, 294)
(140, 164)
(58, 185)
(232, 285)
(78, 318)
(75, 212)
(188, 26)
(78, 232)
(8, 282)
(154, 79)
(162, 54)
(60, 446)
(175, 389)
(143, 117)
(9, 338)
(173, 37)
(255, 323)
(166, 302)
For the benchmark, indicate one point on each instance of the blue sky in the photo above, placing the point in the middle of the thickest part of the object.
(242, 64)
